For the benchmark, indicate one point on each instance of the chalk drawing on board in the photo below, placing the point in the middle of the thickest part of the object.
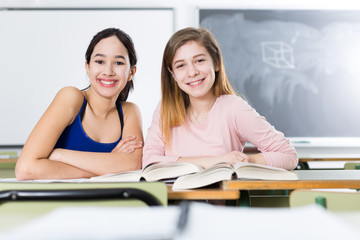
(318, 96)
(277, 54)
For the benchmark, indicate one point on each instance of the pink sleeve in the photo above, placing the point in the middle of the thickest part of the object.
(276, 149)
(154, 147)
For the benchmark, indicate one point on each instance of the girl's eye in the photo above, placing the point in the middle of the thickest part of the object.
(99, 61)
(179, 66)
(200, 60)
(119, 63)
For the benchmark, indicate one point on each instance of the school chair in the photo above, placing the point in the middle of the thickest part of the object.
(7, 169)
(331, 200)
(352, 165)
(22, 202)
(32, 197)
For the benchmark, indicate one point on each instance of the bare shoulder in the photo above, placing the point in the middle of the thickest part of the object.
(132, 120)
(70, 94)
(130, 107)
(68, 99)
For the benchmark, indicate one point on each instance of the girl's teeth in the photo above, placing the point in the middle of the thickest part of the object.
(107, 83)
(194, 83)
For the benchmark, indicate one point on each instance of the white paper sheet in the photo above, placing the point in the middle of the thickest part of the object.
(204, 222)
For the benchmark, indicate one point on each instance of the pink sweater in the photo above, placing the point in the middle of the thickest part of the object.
(230, 123)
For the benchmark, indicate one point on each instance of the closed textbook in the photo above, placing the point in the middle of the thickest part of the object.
(226, 171)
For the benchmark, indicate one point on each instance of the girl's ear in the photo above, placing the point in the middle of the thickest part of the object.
(87, 68)
(132, 73)
(216, 67)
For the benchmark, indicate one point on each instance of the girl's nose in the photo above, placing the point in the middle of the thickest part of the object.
(109, 71)
(192, 70)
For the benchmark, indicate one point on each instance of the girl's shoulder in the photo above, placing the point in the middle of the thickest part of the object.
(233, 105)
(130, 107)
(72, 92)
(70, 98)
(229, 100)
(71, 95)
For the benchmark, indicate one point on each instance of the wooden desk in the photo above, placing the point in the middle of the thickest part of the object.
(8, 160)
(203, 194)
(308, 179)
(304, 163)
(304, 160)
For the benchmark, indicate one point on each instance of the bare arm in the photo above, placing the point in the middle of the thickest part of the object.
(33, 162)
(125, 157)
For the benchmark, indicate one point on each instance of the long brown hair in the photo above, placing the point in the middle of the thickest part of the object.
(175, 101)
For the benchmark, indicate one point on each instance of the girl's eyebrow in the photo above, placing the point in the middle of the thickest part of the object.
(177, 61)
(99, 55)
(198, 55)
(120, 56)
(103, 55)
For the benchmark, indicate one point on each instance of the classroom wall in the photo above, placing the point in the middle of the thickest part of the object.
(43, 51)
(185, 14)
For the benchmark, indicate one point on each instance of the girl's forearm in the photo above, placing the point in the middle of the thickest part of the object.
(99, 163)
(46, 169)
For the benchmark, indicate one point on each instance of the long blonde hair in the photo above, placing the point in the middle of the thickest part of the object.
(175, 101)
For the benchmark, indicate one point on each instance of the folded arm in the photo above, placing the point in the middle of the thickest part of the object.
(125, 156)
(38, 159)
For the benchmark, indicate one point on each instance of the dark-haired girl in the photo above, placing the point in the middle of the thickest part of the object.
(91, 132)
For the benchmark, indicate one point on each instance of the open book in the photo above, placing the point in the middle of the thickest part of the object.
(226, 171)
(189, 175)
(152, 172)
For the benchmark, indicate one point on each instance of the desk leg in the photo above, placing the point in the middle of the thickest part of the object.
(244, 200)
(302, 166)
(231, 203)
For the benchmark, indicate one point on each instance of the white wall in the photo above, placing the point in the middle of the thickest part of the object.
(43, 51)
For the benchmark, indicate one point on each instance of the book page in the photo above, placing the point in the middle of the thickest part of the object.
(276, 223)
(72, 180)
(92, 223)
(208, 176)
(169, 170)
(131, 176)
(263, 172)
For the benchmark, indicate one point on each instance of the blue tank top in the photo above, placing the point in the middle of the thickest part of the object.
(75, 138)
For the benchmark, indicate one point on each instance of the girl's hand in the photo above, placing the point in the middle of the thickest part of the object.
(128, 145)
(234, 157)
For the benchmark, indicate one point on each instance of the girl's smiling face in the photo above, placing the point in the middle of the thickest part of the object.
(109, 67)
(194, 70)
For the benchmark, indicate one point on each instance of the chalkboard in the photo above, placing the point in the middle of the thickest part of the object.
(43, 50)
(300, 69)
